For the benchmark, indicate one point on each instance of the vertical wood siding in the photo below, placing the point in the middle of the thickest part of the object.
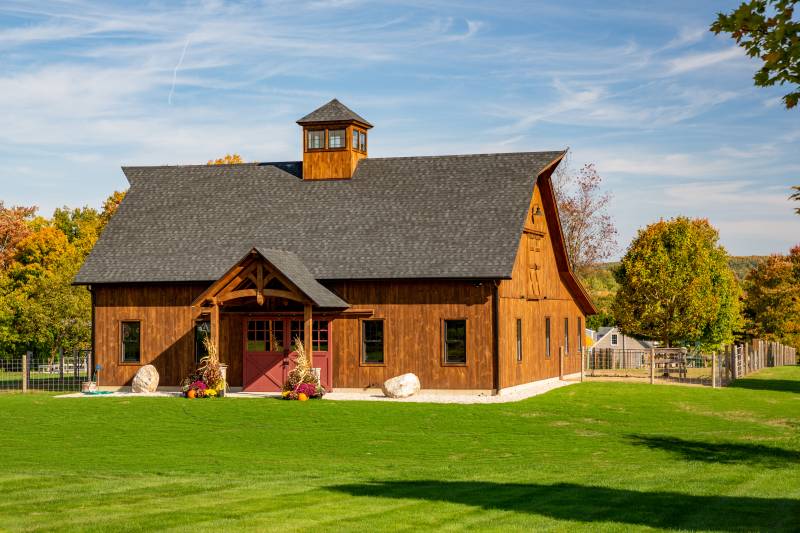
(413, 312)
(554, 300)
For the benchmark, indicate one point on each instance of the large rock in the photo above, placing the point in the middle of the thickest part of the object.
(401, 386)
(145, 380)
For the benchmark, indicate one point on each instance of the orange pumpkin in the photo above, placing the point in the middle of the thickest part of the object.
(191, 394)
(302, 397)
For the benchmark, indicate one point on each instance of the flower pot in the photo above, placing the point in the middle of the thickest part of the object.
(88, 386)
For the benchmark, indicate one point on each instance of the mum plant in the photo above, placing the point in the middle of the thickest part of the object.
(302, 383)
(206, 381)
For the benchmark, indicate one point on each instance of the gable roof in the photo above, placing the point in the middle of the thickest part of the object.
(285, 264)
(295, 271)
(405, 217)
(333, 111)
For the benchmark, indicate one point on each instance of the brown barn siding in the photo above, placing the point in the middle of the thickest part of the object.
(413, 312)
(555, 301)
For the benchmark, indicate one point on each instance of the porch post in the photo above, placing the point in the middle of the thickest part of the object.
(308, 342)
(215, 325)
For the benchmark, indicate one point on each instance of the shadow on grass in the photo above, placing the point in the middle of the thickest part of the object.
(720, 452)
(569, 501)
(782, 385)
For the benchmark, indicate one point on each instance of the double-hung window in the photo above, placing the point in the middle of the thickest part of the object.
(372, 347)
(131, 341)
(455, 342)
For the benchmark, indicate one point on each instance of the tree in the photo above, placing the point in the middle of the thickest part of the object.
(765, 29)
(772, 301)
(589, 231)
(229, 159)
(13, 228)
(80, 225)
(110, 207)
(676, 286)
(796, 197)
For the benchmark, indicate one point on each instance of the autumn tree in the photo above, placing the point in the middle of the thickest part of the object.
(589, 231)
(13, 228)
(110, 207)
(229, 159)
(767, 29)
(772, 299)
(796, 197)
(676, 286)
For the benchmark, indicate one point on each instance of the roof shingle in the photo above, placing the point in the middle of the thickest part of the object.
(403, 217)
(333, 111)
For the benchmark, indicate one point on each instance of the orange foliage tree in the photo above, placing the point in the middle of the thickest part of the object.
(229, 159)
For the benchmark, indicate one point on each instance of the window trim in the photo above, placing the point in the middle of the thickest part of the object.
(566, 336)
(362, 342)
(548, 337)
(519, 343)
(443, 358)
(122, 361)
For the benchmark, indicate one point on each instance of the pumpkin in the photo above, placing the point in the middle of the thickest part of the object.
(302, 397)
(191, 394)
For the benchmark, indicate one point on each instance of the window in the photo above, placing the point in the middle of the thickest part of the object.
(319, 332)
(336, 138)
(355, 139)
(566, 336)
(316, 139)
(130, 333)
(580, 335)
(519, 340)
(614, 339)
(455, 342)
(362, 141)
(296, 330)
(265, 335)
(547, 337)
(202, 330)
(372, 342)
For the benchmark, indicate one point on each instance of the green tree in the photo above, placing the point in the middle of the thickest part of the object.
(772, 299)
(766, 29)
(80, 225)
(676, 286)
(796, 197)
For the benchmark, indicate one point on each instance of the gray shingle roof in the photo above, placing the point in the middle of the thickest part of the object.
(293, 268)
(333, 111)
(404, 217)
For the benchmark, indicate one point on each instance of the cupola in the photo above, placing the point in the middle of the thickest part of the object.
(334, 140)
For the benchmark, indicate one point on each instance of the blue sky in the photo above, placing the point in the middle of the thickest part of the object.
(665, 109)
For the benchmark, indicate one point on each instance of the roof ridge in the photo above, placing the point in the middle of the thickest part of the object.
(480, 154)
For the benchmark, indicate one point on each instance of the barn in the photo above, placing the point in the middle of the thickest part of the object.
(452, 267)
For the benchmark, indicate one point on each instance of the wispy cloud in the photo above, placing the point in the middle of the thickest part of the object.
(690, 62)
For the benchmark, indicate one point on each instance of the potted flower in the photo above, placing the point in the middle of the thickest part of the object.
(302, 383)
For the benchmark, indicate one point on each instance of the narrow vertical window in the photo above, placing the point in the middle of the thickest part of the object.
(547, 337)
(580, 335)
(519, 340)
(372, 342)
(130, 337)
(355, 139)
(455, 342)
(362, 141)
(320, 334)
(566, 336)
(202, 330)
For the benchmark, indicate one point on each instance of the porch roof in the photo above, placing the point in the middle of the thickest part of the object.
(293, 268)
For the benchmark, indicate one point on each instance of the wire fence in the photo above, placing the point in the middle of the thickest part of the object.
(679, 365)
(65, 372)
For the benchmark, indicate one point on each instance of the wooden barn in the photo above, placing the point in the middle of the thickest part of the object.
(450, 267)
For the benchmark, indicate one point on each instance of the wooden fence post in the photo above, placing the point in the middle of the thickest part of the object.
(25, 374)
(713, 370)
(560, 362)
(652, 366)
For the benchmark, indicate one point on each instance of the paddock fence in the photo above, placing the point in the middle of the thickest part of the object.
(26, 373)
(679, 365)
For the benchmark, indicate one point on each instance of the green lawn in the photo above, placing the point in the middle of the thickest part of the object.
(598, 456)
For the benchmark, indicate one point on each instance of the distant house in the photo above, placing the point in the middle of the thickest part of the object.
(451, 267)
(611, 338)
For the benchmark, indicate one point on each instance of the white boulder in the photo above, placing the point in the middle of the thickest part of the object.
(401, 386)
(145, 380)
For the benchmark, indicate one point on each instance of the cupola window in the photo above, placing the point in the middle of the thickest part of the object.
(336, 138)
(316, 139)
